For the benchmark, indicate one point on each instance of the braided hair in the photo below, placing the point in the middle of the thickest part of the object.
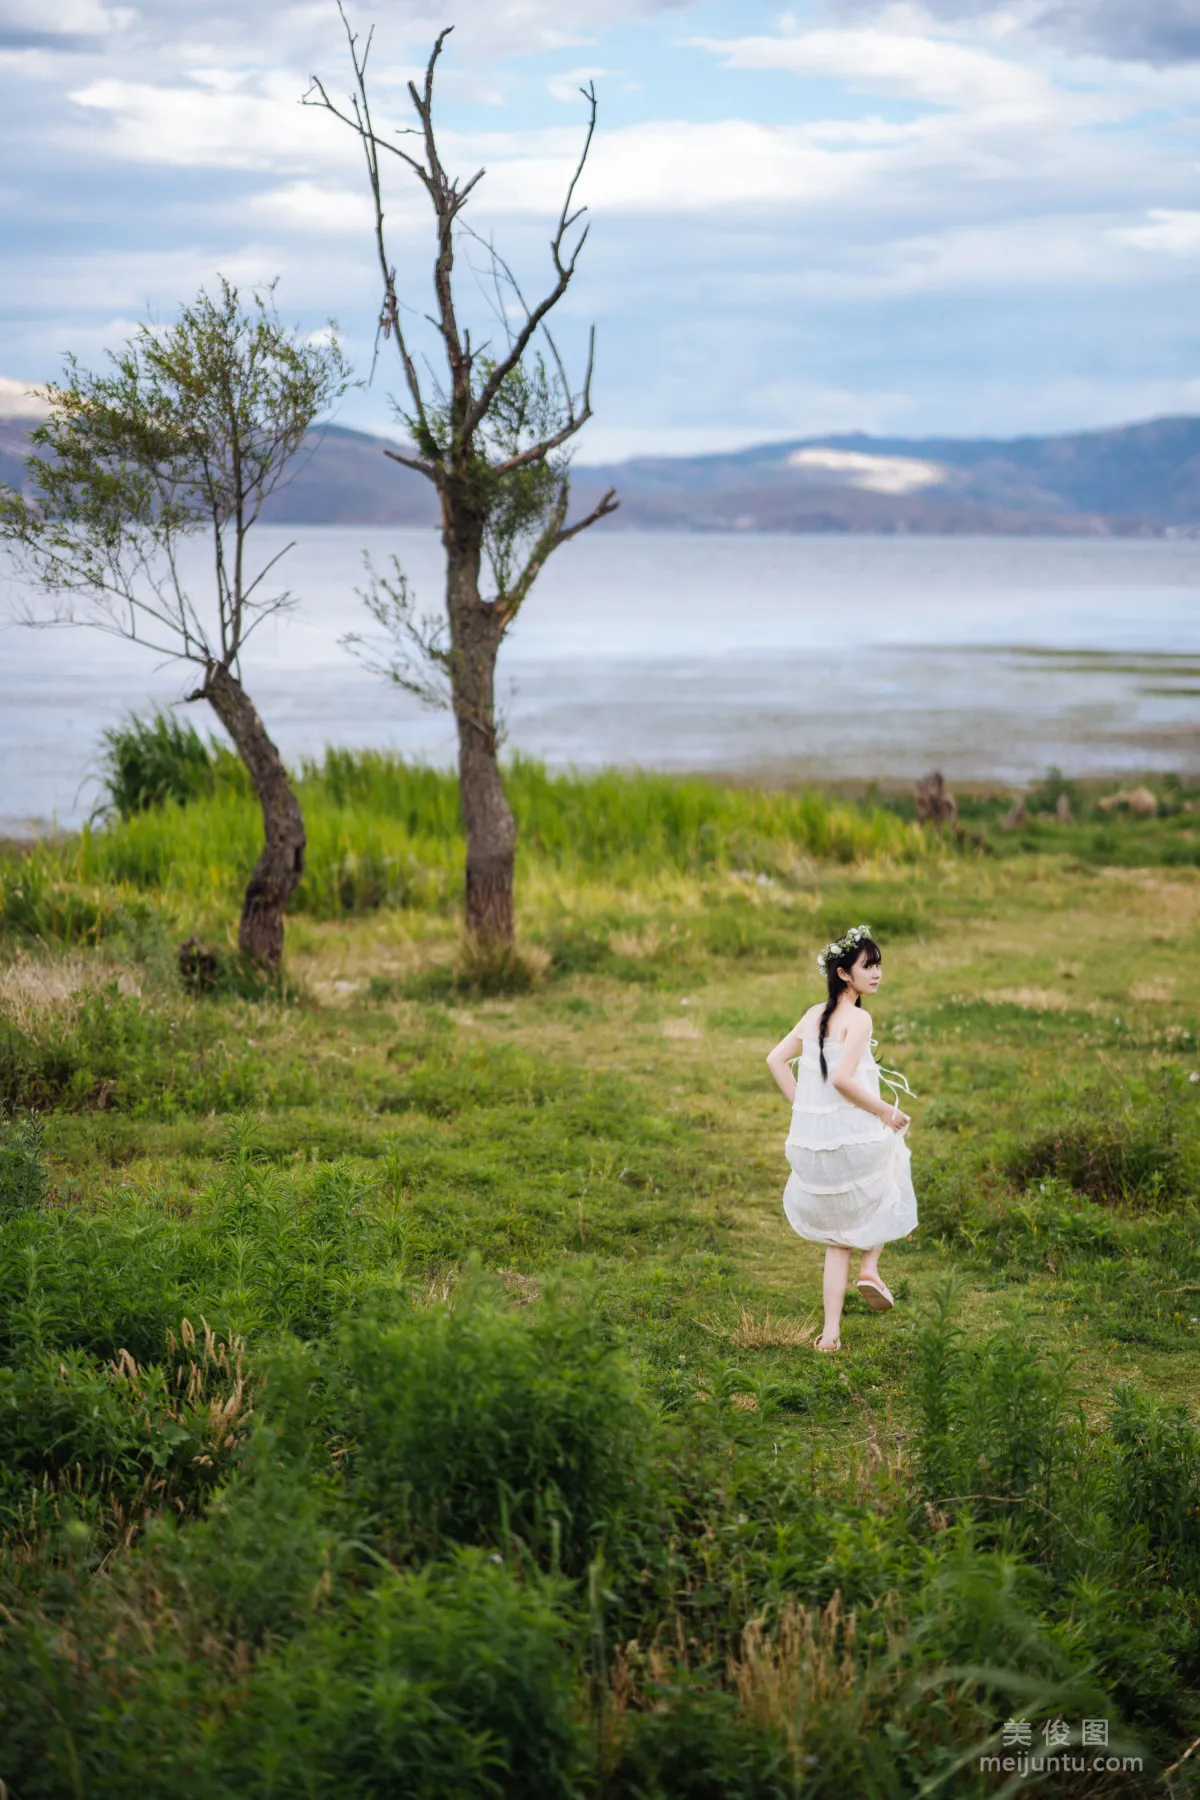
(835, 957)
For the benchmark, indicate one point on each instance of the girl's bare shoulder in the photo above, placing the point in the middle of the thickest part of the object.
(811, 1019)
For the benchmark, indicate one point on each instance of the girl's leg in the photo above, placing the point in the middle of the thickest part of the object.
(870, 1262)
(833, 1290)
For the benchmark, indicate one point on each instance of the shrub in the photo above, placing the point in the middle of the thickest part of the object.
(451, 1680)
(1045, 795)
(938, 1359)
(1138, 1148)
(258, 1561)
(447, 1681)
(994, 1424)
(1153, 1486)
(692, 1742)
(23, 1176)
(101, 1285)
(479, 1425)
(263, 1252)
(1137, 1650)
(137, 1437)
(228, 974)
(483, 968)
(150, 761)
(288, 1253)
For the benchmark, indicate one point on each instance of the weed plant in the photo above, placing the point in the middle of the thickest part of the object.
(22, 1167)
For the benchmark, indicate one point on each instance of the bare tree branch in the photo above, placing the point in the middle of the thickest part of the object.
(575, 420)
(411, 462)
(447, 202)
(608, 503)
(563, 270)
(361, 124)
(556, 533)
(421, 657)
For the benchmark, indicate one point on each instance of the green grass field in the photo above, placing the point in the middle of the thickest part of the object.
(406, 1388)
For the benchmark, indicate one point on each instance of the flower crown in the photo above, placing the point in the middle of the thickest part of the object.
(833, 951)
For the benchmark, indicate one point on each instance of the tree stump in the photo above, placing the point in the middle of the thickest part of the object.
(935, 804)
(199, 968)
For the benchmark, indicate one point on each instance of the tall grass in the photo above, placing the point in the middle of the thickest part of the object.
(623, 819)
(150, 761)
(384, 832)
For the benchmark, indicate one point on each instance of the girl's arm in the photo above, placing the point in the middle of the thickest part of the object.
(779, 1058)
(858, 1036)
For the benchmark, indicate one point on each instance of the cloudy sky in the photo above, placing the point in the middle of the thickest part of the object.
(964, 217)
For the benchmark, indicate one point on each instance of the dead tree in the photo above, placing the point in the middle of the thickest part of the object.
(188, 433)
(492, 436)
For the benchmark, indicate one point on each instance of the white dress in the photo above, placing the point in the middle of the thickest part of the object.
(851, 1179)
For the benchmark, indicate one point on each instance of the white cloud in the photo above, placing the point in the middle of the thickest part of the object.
(1046, 253)
(21, 400)
(310, 206)
(984, 120)
(660, 165)
(202, 127)
(930, 173)
(65, 18)
(908, 64)
(672, 166)
(567, 87)
(117, 287)
(173, 31)
(1175, 233)
(1148, 31)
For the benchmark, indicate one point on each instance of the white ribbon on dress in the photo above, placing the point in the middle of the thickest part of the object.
(893, 1079)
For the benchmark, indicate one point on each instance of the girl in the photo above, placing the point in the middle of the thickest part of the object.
(850, 1186)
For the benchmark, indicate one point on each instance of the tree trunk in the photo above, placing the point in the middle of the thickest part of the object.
(490, 828)
(279, 868)
(491, 842)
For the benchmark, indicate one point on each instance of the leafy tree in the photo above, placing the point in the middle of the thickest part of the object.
(493, 437)
(187, 433)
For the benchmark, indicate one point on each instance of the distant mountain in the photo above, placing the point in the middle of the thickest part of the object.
(1133, 480)
(341, 478)
(14, 447)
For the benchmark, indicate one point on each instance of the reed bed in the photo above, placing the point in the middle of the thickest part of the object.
(383, 832)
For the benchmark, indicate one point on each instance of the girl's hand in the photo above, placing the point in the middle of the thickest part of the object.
(896, 1120)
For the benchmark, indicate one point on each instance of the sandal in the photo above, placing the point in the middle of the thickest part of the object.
(823, 1349)
(876, 1295)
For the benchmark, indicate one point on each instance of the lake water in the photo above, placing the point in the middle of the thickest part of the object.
(791, 657)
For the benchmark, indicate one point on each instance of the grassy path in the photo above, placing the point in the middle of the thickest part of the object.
(1010, 983)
